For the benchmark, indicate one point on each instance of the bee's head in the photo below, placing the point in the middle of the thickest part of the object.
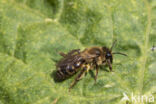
(109, 54)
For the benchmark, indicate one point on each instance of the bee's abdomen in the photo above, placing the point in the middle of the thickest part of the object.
(66, 71)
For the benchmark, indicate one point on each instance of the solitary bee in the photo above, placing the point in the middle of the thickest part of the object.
(83, 61)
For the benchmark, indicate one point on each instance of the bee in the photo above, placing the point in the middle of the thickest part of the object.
(82, 61)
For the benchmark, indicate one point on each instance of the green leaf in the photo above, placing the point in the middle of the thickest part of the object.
(33, 32)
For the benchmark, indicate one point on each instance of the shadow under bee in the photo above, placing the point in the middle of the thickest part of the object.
(56, 79)
(92, 73)
(53, 75)
(104, 68)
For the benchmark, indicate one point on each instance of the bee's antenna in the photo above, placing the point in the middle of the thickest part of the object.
(119, 53)
(113, 44)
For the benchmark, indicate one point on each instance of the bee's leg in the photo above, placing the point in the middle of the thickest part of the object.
(62, 54)
(80, 75)
(96, 67)
(96, 73)
(73, 51)
(110, 65)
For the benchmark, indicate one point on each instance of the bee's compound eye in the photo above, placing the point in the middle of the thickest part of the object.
(108, 55)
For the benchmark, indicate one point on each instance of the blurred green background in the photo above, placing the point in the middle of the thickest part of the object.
(32, 32)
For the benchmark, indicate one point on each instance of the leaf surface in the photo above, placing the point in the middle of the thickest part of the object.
(33, 32)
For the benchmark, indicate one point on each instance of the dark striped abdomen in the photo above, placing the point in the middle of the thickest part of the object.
(67, 70)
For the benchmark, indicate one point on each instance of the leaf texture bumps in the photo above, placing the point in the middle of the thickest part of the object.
(32, 32)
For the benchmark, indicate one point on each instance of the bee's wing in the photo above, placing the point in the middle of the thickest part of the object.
(69, 60)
